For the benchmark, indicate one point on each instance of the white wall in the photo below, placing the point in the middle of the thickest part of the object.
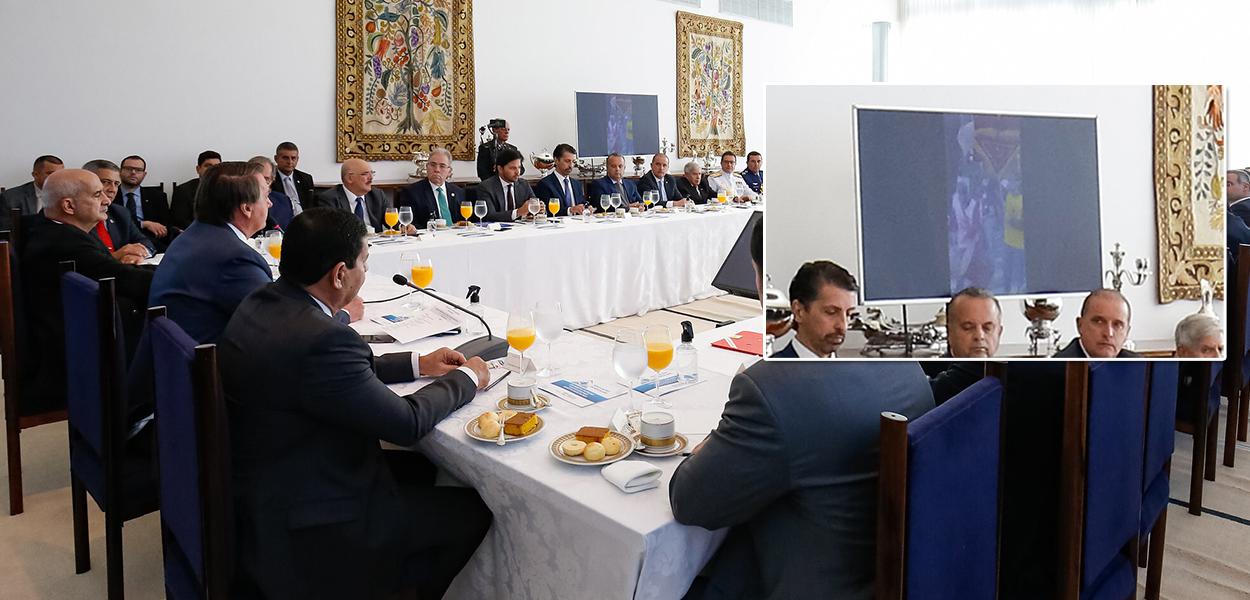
(169, 79)
(812, 187)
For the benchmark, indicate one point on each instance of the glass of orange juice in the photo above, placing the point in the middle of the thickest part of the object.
(659, 356)
(420, 270)
(273, 243)
(392, 218)
(553, 206)
(521, 333)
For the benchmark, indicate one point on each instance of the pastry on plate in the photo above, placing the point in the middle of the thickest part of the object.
(573, 447)
(594, 452)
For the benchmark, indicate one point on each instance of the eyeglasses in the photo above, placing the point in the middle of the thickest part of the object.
(435, 165)
(364, 173)
(134, 169)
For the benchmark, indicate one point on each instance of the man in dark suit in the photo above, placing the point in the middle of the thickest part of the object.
(281, 210)
(1103, 327)
(356, 195)
(506, 194)
(74, 204)
(434, 197)
(658, 179)
(320, 513)
(791, 470)
(615, 183)
(561, 184)
(1237, 190)
(148, 205)
(296, 184)
(823, 302)
(488, 152)
(182, 207)
(212, 266)
(126, 242)
(28, 195)
(692, 186)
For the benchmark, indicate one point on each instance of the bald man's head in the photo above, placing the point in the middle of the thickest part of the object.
(357, 176)
(76, 197)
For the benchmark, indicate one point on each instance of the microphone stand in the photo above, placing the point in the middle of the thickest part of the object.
(487, 347)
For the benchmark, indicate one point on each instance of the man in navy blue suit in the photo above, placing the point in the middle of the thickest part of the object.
(561, 184)
(434, 197)
(659, 180)
(281, 209)
(212, 267)
(822, 298)
(615, 183)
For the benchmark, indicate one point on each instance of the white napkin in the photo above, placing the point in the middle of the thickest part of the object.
(632, 475)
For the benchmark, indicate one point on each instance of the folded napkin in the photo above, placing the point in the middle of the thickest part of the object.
(632, 475)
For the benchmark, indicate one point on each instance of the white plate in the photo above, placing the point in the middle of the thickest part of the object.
(475, 432)
(677, 448)
(627, 446)
(503, 404)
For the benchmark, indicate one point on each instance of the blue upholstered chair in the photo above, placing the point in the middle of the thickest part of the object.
(938, 507)
(119, 477)
(1101, 479)
(1197, 413)
(192, 452)
(1157, 466)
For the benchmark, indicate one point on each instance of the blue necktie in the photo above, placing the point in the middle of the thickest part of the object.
(568, 194)
(360, 209)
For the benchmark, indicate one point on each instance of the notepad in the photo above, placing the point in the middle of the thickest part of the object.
(747, 342)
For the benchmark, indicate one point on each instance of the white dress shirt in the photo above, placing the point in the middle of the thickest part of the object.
(727, 180)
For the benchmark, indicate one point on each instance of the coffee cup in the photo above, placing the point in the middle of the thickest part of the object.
(658, 430)
(521, 392)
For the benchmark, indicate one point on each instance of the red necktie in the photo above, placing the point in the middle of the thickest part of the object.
(103, 233)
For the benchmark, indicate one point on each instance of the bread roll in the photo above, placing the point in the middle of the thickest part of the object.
(486, 417)
(611, 445)
(594, 452)
(573, 448)
(488, 428)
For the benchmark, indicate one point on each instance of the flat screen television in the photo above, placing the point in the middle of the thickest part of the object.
(947, 200)
(736, 275)
(627, 124)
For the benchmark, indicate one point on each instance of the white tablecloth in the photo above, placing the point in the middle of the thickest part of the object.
(563, 531)
(597, 271)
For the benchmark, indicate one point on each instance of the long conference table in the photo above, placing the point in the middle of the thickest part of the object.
(598, 271)
(563, 531)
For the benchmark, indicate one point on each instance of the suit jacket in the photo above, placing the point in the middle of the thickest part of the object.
(486, 159)
(603, 185)
(953, 377)
(699, 195)
(755, 181)
(647, 183)
(45, 243)
(376, 203)
(793, 465)
(122, 229)
(182, 207)
(23, 197)
(787, 352)
(492, 191)
(280, 211)
(155, 205)
(1074, 350)
(307, 404)
(549, 187)
(204, 276)
(1238, 233)
(420, 196)
(303, 186)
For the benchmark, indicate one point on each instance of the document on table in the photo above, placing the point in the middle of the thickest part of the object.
(423, 323)
(583, 393)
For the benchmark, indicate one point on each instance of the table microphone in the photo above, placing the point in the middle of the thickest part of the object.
(488, 347)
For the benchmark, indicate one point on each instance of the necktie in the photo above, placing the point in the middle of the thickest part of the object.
(130, 203)
(663, 196)
(568, 194)
(620, 189)
(102, 232)
(289, 186)
(360, 209)
(511, 200)
(443, 211)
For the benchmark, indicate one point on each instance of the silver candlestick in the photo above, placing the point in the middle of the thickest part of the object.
(1117, 274)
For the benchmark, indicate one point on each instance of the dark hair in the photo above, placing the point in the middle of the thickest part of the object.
(318, 239)
(507, 155)
(812, 275)
(223, 188)
(561, 150)
(47, 158)
(286, 146)
(973, 292)
(752, 153)
(135, 157)
(757, 244)
(1107, 292)
(730, 153)
(101, 164)
(206, 155)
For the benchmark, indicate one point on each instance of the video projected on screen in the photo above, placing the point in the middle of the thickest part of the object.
(951, 200)
(623, 123)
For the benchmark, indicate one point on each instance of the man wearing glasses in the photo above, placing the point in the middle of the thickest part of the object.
(149, 206)
(357, 195)
(434, 197)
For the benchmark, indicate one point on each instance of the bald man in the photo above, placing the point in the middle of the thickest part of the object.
(74, 203)
(356, 195)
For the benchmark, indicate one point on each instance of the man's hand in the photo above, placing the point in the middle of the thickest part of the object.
(355, 309)
(440, 362)
(479, 367)
(638, 205)
(155, 228)
(131, 254)
(681, 202)
(577, 209)
(411, 230)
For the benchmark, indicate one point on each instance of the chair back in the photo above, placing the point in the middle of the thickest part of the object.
(939, 490)
(1161, 417)
(12, 327)
(192, 454)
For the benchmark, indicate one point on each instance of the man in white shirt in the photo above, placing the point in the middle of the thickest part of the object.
(434, 197)
(823, 301)
(731, 181)
(357, 195)
(561, 185)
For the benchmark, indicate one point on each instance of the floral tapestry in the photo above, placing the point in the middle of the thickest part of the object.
(405, 78)
(1189, 189)
(709, 86)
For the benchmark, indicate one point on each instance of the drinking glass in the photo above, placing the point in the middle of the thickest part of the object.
(648, 199)
(391, 217)
(548, 325)
(629, 359)
(553, 206)
(405, 217)
(421, 270)
(521, 333)
(466, 210)
(273, 243)
(659, 356)
(479, 209)
(534, 206)
(616, 201)
(605, 202)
